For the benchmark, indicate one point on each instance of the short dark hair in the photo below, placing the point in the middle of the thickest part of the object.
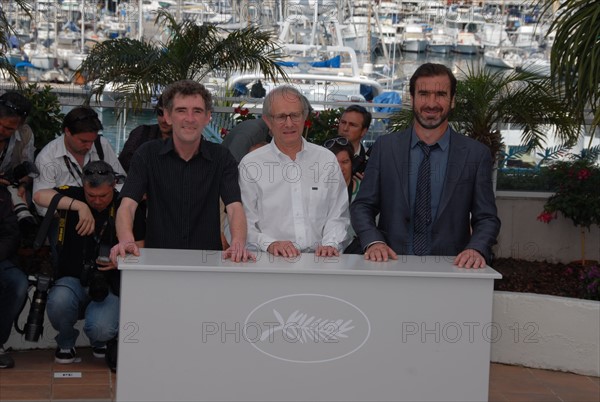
(186, 88)
(432, 70)
(82, 119)
(14, 104)
(97, 173)
(360, 109)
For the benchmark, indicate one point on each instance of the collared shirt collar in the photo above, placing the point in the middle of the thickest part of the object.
(280, 154)
(443, 142)
(169, 146)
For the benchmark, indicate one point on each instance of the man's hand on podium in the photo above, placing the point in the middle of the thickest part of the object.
(237, 252)
(123, 248)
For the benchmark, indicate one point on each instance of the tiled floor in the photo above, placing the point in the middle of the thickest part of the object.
(35, 379)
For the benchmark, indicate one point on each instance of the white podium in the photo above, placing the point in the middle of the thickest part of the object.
(195, 327)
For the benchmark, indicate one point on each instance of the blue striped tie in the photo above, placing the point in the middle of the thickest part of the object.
(423, 202)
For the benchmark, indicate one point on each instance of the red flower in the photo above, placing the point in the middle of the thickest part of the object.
(584, 174)
(237, 110)
(546, 217)
(244, 112)
(307, 123)
(224, 132)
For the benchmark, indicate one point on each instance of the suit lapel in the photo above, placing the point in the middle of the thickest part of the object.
(457, 156)
(400, 151)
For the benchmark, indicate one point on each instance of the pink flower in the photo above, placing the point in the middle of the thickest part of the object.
(546, 217)
(584, 174)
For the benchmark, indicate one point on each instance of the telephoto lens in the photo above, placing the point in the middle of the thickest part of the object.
(35, 319)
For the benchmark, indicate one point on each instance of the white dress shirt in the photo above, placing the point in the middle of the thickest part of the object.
(55, 171)
(303, 201)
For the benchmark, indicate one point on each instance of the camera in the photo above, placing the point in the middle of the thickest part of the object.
(35, 319)
(359, 164)
(13, 176)
(94, 279)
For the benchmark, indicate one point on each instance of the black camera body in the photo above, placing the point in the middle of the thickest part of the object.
(359, 164)
(95, 280)
(13, 176)
(23, 169)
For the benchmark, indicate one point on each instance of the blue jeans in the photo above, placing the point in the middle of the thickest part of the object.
(68, 301)
(13, 290)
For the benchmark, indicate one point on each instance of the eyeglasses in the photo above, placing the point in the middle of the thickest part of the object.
(332, 141)
(14, 107)
(88, 172)
(160, 112)
(282, 118)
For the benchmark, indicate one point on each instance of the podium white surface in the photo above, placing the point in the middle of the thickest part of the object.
(195, 327)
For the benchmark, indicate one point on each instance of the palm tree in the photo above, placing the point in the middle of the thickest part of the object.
(575, 54)
(138, 69)
(6, 30)
(485, 100)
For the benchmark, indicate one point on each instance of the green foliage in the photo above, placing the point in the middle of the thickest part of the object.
(322, 125)
(136, 70)
(577, 182)
(520, 179)
(46, 117)
(485, 100)
(6, 69)
(575, 55)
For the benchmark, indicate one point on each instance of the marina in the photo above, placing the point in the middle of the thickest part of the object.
(375, 46)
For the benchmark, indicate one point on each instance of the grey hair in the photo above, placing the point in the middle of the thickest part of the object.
(286, 91)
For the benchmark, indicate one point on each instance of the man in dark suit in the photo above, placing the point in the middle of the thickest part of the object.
(461, 209)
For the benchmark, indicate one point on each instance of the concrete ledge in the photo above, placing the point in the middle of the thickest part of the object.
(548, 332)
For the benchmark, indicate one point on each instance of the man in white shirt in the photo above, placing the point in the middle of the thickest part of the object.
(293, 192)
(61, 160)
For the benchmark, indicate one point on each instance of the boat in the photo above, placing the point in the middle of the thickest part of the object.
(414, 38)
(537, 63)
(439, 40)
(465, 25)
(504, 57)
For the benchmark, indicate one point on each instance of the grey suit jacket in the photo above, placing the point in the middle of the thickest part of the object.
(466, 216)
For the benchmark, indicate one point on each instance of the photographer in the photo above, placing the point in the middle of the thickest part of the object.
(354, 124)
(16, 150)
(13, 282)
(85, 280)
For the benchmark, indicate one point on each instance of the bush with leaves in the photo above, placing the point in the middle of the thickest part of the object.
(322, 125)
(577, 182)
(46, 117)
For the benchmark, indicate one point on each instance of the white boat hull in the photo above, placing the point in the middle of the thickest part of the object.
(414, 46)
(43, 61)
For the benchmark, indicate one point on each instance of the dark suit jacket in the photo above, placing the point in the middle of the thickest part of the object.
(467, 201)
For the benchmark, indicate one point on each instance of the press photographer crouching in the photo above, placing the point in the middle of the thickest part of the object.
(86, 284)
(16, 155)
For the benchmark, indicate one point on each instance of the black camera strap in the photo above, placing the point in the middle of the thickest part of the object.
(43, 231)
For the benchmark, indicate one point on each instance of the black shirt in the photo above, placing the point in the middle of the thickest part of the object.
(183, 197)
(73, 249)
